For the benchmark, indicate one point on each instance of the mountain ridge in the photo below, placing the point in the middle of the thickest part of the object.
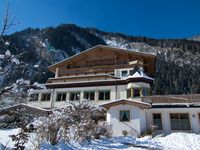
(178, 60)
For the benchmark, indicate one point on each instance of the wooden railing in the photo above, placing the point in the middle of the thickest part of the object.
(192, 98)
(95, 69)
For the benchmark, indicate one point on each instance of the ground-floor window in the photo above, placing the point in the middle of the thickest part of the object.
(157, 120)
(46, 97)
(104, 95)
(61, 97)
(33, 97)
(89, 95)
(180, 121)
(124, 115)
(74, 96)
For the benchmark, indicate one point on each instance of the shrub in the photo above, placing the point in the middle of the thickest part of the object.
(72, 123)
(16, 119)
(50, 129)
(20, 139)
(103, 129)
(146, 133)
(125, 133)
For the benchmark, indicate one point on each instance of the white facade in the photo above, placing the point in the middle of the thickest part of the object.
(104, 74)
(116, 92)
(135, 126)
(166, 123)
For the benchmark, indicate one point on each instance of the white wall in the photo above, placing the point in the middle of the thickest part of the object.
(193, 114)
(39, 103)
(137, 122)
(116, 92)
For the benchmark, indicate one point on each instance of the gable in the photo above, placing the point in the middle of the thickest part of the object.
(106, 56)
(141, 105)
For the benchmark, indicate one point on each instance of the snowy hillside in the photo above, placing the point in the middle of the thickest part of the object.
(174, 141)
(39, 48)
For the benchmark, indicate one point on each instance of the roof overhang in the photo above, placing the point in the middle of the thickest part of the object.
(25, 107)
(141, 105)
(53, 67)
(97, 83)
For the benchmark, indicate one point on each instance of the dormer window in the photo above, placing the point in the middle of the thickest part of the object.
(124, 73)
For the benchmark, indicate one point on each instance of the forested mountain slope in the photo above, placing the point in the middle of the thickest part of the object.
(178, 60)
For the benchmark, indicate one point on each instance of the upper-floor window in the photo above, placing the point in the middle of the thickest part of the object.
(104, 95)
(136, 92)
(133, 93)
(157, 120)
(89, 95)
(74, 96)
(46, 97)
(124, 73)
(61, 97)
(130, 72)
(33, 97)
(145, 91)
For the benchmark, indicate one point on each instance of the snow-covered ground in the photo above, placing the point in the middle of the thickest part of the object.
(174, 141)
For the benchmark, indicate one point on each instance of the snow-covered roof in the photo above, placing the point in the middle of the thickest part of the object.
(85, 76)
(166, 99)
(139, 73)
(175, 105)
(104, 46)
(22, 105)
(97, 82)
(140, 104)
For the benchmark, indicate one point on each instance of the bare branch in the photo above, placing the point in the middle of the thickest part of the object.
(6, 89)
(8, 21)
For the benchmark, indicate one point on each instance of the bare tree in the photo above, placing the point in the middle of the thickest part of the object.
(8, 21)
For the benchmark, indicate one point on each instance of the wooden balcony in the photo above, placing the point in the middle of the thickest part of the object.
(193, 98)
(95, 69)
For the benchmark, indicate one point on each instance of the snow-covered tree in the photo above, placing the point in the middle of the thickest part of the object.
(75, 122)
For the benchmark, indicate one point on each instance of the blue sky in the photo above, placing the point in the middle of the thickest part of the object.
(151, 18)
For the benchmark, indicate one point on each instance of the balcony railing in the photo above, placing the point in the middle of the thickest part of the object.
(95, 69)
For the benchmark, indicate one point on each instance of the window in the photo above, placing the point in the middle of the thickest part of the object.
(46, 97)
(130, 72)
(33, 97)
(89, 95)
(145, 91)
(199, 117)
(124, 73)
(74, 96)
(128, 93)
(136, 92)
(124, 115)
(157, 121)
(61, 97)
(133, 93)
(180, 121)
(104, 95)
